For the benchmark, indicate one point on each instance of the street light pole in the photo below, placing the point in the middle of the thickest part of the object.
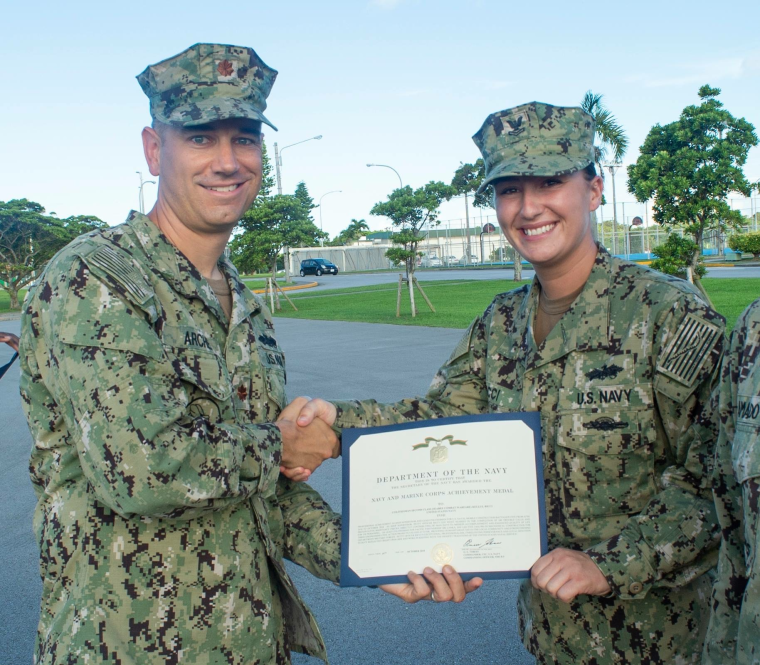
(385, 166)
(141, 200)
(278, 158)
(612, 168)
(334, 191)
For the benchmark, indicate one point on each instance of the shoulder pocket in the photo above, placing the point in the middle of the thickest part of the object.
(93, 315)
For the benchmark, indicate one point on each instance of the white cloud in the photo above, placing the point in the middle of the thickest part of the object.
(704, 72)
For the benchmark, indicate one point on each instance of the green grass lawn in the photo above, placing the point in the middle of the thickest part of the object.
(5, 300)
(256, 283)
(457, 302)
(731, 296)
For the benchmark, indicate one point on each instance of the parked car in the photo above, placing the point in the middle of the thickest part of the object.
(474, 261)
(318, 267)
(431, 262)
(450, 260)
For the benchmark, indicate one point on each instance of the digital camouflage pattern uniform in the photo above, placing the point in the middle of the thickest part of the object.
(619, 382)
(208, 82)
(622, 383)
(535, 139)
(734, 633)
(162, 518)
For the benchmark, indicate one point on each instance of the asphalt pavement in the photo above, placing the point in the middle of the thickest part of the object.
(348, 280)
(360, 626)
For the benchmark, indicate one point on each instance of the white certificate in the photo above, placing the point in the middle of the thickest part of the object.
(464, 491)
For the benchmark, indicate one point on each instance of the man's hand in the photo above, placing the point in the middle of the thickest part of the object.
(304, 411)
(565, 574)
(11, 340)
(304, 448)
(316, 408)
(433, 586)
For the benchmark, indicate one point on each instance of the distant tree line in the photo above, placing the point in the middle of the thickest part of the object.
(29, 238)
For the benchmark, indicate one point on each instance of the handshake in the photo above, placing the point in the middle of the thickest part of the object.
(307, 437)
(307, 441)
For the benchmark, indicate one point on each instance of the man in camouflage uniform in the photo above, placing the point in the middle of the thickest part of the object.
(152, 381)
(734, 633)
(620, 361)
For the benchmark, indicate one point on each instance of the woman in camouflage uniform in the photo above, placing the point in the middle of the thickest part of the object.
(620, 361)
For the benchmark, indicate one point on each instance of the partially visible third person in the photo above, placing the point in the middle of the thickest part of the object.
(734, 633)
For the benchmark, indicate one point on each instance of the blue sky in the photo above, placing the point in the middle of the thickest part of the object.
(399, 82)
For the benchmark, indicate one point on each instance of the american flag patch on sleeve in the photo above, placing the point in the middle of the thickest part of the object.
(689, 349)
(464, 344)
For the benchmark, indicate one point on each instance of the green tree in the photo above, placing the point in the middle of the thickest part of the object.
(271, 224)
(302, 194)
(674, 256)
(355, 230)
(29, 238)
(746, 243)
(267, 177)
(610, 135)
(409, 211)
(689, 166)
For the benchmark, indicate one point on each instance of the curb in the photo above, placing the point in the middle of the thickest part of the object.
(10, 316)
(290, 288)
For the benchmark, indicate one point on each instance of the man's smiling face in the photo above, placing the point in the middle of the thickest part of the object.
(209, 174)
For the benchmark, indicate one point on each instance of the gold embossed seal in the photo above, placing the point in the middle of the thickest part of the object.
(442, 554)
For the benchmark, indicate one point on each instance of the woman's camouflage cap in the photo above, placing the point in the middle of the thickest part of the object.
(208, 82)
(535, 139)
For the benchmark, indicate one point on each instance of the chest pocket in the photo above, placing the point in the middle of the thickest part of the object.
(210, 388)
(273, 366)
(745, 456)
(605, 460)
(745, 452)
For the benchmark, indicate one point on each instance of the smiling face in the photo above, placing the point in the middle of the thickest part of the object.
(209, 174)
(548, 219)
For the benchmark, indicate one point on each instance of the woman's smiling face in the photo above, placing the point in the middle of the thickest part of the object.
(547, 219)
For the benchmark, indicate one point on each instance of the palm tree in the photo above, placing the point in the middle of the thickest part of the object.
(610, 134)
(356, 229)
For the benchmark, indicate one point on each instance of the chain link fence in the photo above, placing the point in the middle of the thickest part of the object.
(626, 230)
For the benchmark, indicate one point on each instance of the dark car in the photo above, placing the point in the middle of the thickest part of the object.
(318, 267)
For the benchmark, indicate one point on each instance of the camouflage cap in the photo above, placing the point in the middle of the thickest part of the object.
(208, 82)
(535, 139)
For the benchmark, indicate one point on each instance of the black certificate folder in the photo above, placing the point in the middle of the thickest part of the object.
(465, 491)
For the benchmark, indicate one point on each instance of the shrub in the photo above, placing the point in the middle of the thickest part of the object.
(675, 255)
(746, 243)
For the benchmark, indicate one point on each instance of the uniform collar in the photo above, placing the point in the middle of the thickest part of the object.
(584, 327)
(185, 277)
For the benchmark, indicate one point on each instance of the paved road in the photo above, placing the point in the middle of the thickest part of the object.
(360, 626)
(347, 280)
